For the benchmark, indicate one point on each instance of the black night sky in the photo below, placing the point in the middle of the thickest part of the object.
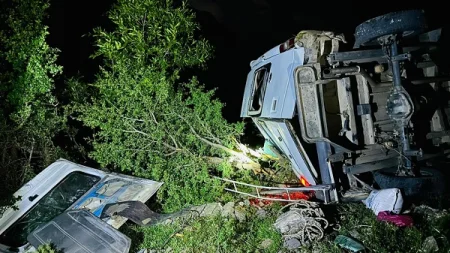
(240, 31)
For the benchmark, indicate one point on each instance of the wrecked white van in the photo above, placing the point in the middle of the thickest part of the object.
(62, 189)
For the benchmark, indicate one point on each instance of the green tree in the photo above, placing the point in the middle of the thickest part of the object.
(147, 120)
(29, 116)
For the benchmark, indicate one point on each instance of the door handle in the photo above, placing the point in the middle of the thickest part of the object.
(32, 198)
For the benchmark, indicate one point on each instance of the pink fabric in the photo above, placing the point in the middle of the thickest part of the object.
(397, 219)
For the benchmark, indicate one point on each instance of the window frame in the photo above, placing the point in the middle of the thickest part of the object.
(261, 90)
(98, 180)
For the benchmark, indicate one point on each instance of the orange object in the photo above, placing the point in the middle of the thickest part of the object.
(303, 181)
(280, 197)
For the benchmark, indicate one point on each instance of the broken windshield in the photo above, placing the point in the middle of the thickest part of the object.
(51, 205)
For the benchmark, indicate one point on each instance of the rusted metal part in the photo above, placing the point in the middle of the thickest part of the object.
(315, 44)
(366, 119)
(309, 105)
(346, 110)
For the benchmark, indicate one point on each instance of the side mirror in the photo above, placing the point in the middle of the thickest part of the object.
(77, 231)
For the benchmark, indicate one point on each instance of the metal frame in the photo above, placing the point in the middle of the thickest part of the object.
(324, 189)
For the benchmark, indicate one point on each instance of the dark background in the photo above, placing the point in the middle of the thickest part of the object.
(239, 30)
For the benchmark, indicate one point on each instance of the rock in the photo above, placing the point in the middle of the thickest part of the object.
(430, 245)
(228, 209)
(261, 213)
(239, 214)
(206, 210)
(292, 244)
(210, 209)
(266, 244)
(236, 212)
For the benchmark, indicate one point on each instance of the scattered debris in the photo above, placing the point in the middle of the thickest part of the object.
(266, 244)
(400, 220)
(348, 243)
(430, 245)
(385, 200)
(303, 221)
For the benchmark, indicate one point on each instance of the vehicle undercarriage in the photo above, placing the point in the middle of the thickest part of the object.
(381, 108)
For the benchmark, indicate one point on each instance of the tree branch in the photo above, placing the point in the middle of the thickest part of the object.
(133, 119)
(215, 145)
(175, 149)
(154, 118)
(214, 138)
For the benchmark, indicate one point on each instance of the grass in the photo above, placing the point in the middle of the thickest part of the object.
(219, 234)
(211, 234)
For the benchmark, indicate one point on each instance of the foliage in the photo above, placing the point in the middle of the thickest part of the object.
(29, 116)
(48, 248)
(29, 69)
(213, 234)
(220, 234)
(357, 220)
(376, 235)
(147, 121)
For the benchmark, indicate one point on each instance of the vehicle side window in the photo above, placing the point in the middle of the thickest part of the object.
(259, 89)
(55, 202)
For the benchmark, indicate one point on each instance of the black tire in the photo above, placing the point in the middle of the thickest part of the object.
(430, 183)
(404, 23)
